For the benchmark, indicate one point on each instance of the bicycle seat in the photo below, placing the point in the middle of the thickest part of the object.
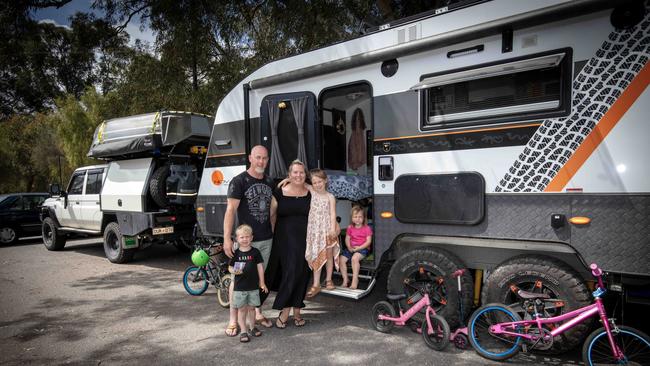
(531, 295)
(395, 297)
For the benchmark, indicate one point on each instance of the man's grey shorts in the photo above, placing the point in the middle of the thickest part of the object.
(245, 298)
(264, 246)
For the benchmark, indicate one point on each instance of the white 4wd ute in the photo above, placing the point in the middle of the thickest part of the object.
(146, 192)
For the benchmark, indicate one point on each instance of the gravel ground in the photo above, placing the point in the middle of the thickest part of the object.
(75, 307)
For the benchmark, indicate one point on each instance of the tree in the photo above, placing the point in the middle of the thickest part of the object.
(40, 62)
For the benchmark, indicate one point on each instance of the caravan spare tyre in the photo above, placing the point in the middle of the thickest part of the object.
(419, 267)
(158, 186)
(541, 274)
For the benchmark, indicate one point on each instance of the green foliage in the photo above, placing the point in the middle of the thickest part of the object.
(58, 83)
(29, 155)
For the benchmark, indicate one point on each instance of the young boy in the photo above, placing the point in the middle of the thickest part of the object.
(247, 266)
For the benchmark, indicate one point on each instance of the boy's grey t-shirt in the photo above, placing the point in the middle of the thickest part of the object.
(249, 279)
(254, 209)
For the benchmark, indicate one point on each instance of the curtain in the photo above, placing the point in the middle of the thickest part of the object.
(299, 107)
(277, 168)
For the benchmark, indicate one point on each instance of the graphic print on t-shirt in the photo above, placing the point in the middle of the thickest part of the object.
(259, 201)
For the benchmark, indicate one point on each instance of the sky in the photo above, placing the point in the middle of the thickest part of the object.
(61, 17)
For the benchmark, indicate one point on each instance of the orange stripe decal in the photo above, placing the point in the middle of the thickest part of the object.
(223, 155)
(602, 129)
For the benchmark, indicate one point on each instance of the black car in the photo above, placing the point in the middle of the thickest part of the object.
(19, 216)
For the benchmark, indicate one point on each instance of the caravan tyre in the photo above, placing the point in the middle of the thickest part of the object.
(53, 239)
(158, 186)
(418, 267)
(541, 274)
(113, 245)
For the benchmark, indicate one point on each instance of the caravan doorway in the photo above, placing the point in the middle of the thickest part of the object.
(346, 140)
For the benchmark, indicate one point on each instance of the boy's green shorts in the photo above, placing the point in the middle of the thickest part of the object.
(245, 298)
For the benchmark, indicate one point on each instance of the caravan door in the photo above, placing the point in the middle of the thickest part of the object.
(226, 158)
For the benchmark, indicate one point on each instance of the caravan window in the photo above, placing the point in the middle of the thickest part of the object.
(535, 87)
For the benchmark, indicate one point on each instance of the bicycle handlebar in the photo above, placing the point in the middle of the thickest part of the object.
(598, 273)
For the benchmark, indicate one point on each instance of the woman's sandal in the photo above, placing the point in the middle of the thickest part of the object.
(264, 322)
(313, 291)
(244, 338)
(329, 285)
(232, 330)
(298, 322)
(279, 323)
(255, 332)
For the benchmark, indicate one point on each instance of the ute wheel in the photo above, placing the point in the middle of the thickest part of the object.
(52, 237)
(158, 186)
(541, 274)
(420, 266)
(8, 235)
(113, 245)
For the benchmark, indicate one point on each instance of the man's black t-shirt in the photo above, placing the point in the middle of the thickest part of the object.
(254, 209)
(249, 280)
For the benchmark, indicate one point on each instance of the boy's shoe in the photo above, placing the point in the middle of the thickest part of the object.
(244, 338)
(255, 332)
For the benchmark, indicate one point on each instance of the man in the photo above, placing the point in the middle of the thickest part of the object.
(249, 198)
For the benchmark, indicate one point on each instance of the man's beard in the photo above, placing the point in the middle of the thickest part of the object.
(259, 170)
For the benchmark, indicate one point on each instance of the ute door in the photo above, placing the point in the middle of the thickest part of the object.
(70, 214)
(91, 214)
(227, 157)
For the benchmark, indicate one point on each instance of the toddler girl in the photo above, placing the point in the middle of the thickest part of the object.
(358, 237)
(322, 231)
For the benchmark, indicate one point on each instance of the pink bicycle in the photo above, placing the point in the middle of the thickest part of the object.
(498, 333)
(384, 317)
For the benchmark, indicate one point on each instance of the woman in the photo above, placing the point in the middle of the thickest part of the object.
(288, 272)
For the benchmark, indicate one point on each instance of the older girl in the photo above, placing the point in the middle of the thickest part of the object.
(322, 243)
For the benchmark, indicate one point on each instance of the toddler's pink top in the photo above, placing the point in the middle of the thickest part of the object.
(358, 236)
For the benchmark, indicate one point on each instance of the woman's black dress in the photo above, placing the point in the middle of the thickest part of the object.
(288, 272)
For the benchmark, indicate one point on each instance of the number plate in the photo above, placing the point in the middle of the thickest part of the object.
(163, 230)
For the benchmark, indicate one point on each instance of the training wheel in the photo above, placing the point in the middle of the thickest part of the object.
(461, 341)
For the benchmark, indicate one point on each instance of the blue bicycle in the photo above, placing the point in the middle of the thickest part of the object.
(196, 279)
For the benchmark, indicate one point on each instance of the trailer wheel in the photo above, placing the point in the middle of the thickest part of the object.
(113, 245)
(158, 186)
(420, 266)
(52, 237)
(541, 274)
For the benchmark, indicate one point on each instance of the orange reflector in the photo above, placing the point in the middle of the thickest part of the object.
(200, 209)
(538, 284)
(580, 220)
(217, 177)
(559, 304)
(386, 215)
(421, 270)
(513, 288)
(443, 301)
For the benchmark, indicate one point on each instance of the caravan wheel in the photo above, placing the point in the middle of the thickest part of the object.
(418, 267)
(542, 275)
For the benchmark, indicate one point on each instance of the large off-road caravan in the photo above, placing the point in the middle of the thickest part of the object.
(506, 136)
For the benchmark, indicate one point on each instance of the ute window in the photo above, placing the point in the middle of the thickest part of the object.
(94, 182)
(77, 183)
(530, 88)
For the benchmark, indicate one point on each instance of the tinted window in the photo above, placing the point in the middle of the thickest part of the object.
(17, 205)
(94, 182)
(537, 86)
(32, 202)
(77, 183)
